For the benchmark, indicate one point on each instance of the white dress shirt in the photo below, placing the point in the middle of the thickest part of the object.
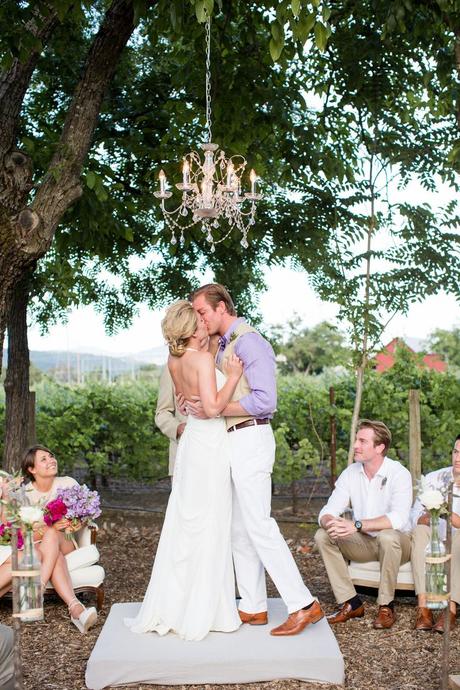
(437, 480)
(388, 493)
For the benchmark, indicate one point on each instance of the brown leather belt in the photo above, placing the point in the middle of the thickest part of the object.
(248, 422)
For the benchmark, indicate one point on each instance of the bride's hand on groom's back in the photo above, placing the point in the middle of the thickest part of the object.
(233, 367)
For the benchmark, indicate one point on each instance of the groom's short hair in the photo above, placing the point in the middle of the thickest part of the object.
(215, 293)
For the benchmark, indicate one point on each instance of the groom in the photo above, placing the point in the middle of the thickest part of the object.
(257, 542)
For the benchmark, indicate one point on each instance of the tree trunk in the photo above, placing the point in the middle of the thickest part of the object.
(364, 351)
(26, 231)
(17, 379)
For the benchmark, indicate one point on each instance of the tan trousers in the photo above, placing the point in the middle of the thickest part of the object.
(390, 547)
(420, 538)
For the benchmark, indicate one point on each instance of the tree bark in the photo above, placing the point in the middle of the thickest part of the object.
(27, 230)
(17, 379)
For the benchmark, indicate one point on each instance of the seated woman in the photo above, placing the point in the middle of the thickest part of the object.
(39, 469)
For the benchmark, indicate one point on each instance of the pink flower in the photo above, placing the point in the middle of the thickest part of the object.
(54, 511)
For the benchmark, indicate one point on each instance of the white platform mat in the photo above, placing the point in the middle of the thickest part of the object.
(248, 655)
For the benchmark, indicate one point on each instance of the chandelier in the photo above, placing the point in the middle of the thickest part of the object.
(212, 188)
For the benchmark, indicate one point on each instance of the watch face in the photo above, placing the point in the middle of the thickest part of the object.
(358, 525)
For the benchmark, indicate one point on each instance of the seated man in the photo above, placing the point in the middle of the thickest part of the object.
(421, 536)
(379, 491)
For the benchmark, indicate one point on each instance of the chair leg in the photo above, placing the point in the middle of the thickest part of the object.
(100, 594)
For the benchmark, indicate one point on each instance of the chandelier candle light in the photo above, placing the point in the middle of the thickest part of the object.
(211, 190)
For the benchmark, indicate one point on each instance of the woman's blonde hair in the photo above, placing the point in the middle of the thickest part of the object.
(178, 326)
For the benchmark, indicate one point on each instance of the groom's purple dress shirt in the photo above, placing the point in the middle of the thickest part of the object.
(259, 368)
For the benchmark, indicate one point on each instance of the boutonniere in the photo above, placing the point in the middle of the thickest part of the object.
(233, 336)
(384, 481)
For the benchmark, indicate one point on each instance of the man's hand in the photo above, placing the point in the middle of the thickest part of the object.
(180, 430)
(424, 519)
(180, 404)
(455, 520)
(195, 408)
(339, 528)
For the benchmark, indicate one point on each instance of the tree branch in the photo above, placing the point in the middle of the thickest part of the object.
(61, 185)
(14, 82)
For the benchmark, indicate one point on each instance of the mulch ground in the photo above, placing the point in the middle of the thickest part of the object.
(55, 654)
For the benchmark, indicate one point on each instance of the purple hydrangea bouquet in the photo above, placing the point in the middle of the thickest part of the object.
(83, 506)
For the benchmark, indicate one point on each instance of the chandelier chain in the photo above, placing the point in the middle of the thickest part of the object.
(208, 78)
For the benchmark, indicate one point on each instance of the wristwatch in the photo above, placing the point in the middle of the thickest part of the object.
(358, 525)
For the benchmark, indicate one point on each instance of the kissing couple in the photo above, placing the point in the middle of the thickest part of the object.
(217, 523)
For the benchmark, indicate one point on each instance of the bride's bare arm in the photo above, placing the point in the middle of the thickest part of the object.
(212, 400)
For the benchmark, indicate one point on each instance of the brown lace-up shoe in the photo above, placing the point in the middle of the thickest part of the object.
(344, 614)
(386, 617)
(254, 618)
(424, 619)
(440, 623)
(298, 621)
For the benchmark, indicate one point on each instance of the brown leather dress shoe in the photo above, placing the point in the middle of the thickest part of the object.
(344, 614)
(424, 618)
(386, 617)
(254, 618)
(298, 621)
(440, 623)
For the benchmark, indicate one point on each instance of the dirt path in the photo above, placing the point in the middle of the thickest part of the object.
(55, 654)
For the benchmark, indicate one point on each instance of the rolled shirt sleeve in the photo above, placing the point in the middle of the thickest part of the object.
(259, 368)
(401, 501)
(339, 499)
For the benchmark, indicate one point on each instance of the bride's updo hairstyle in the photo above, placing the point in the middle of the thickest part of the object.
(178, 326)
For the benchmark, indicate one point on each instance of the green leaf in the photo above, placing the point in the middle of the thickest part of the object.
(90, 179)
(295, 6)
(321, 36)
(200, 11)
(304, 26)
(277, 32)
(275, 50)
(326, 13)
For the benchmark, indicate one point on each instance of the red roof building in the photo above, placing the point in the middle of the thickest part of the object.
(386, 358)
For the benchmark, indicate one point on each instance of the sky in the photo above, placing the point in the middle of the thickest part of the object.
(288, 294)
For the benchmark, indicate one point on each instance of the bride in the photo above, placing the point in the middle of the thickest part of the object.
(192, 589)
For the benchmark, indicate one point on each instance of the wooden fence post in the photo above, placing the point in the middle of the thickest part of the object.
(333, 444)
(415, 439)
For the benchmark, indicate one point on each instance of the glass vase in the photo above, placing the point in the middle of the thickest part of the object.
(28, 604)
(435, 569)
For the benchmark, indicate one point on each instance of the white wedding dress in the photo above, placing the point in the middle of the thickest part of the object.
(192, 587)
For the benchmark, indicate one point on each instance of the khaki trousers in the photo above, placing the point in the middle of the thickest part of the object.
(390, 547)
(420, 538)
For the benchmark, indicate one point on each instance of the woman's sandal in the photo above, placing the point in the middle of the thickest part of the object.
(86, 619)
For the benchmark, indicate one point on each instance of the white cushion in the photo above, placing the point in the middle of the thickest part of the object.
(93, 576)
(368, 574)
(82, 558)
(374, 566)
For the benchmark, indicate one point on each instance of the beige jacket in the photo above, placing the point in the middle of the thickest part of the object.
(167, 417)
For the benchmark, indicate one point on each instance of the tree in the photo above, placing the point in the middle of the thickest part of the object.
(311, 350)
(377, 117)
(447, 344)
(99, 222)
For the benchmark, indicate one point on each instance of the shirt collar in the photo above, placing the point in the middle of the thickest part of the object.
(225, 339)
(382, 471)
